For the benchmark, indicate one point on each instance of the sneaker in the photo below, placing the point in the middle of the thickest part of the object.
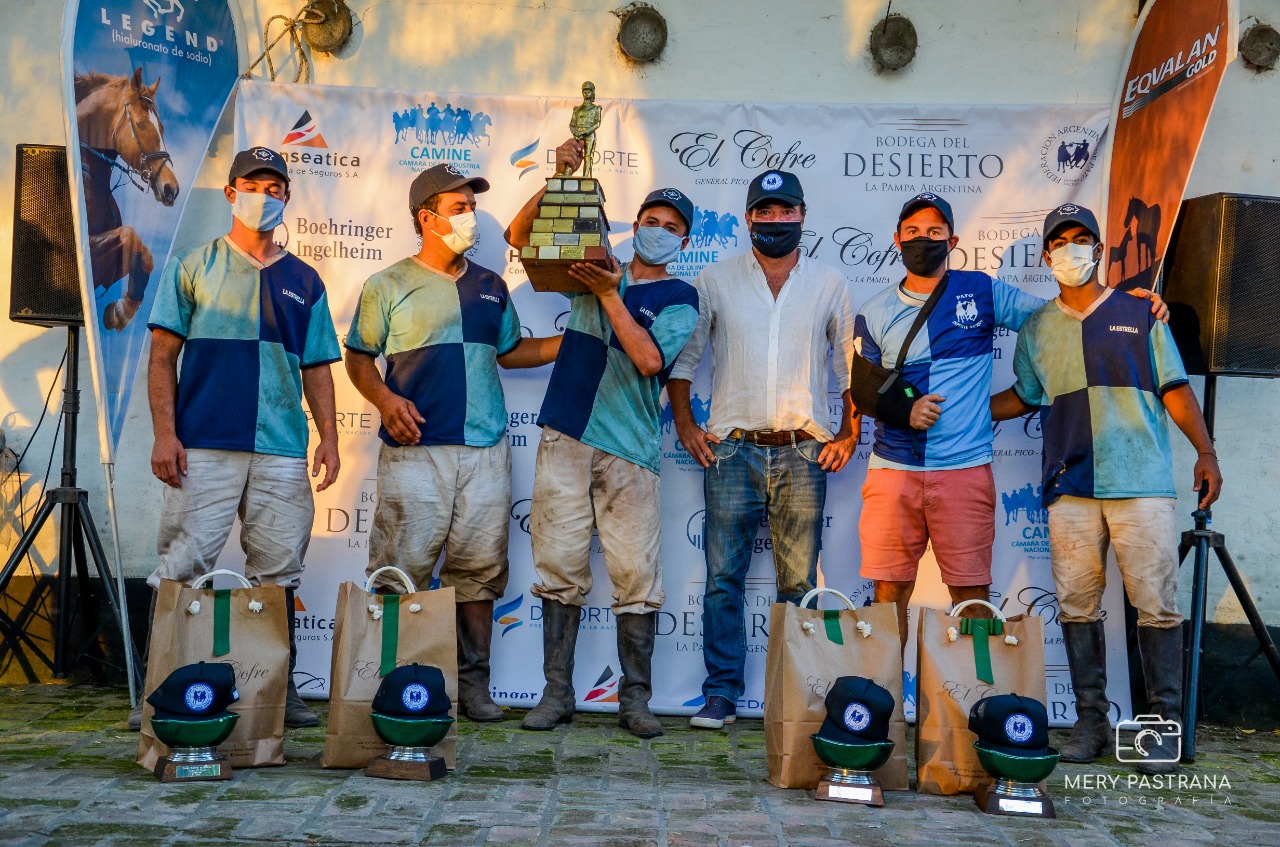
(718, 712)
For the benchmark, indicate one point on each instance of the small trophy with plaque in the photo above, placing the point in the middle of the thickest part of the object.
(854, 740)
(571, 226)
(191, 718)
(1013, 747)
(411, 713)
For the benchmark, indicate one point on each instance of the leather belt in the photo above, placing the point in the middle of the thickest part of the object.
(771, 437)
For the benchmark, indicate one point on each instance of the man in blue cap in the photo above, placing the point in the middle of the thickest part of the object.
(1106, 377)
(599, 457)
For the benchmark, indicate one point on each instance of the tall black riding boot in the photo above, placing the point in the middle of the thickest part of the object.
(135, 715)
(635, 652)
(1087, 658)
(559, 640)
(296, 713)
(475, 633)
(1162, 668)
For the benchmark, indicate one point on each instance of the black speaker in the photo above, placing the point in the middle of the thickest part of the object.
(46, 279)
(1221, 280)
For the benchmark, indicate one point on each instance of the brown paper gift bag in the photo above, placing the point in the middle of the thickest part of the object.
(373, 635)
(247, 627)
(808, 650)
(962, 660)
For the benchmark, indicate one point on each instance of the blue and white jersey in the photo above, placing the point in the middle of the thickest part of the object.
(596, 395)
(248, 329)
(951, 357)
(442, 338)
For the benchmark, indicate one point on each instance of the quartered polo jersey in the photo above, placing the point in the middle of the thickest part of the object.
(950, 357)
(596, 395)
(442, 338)
(248, 330)
(1098, 377)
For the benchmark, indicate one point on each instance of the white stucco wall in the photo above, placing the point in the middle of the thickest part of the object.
(977, 51)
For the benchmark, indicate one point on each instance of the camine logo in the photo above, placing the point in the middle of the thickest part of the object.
(520, 158)
(305, 133)
(505, 615)
(1024, 502)
(437, 135)
(605, 688)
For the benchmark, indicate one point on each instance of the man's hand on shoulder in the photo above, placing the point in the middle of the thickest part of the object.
(697, 443)
(169, 460)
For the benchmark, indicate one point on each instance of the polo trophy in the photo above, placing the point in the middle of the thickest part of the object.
(411, 713)
(191, 718)
(1012, 746)
(853, 741)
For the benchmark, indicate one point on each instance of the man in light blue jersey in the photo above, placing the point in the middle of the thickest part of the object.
(598, 460)
(1106, 377)
(932, 481)
(252, 323)
(444, 324)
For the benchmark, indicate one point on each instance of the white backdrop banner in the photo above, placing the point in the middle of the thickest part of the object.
(352, 154)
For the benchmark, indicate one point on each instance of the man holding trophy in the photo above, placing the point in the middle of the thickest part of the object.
(598, 460)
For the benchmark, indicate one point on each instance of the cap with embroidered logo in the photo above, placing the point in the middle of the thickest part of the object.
(1069, 214)
(676, 199)
(1010, 724)
(413, 691)
(257, 159)
(775, 185)
(928, 200)
(195, 692)
(439, 179)
(858, 712)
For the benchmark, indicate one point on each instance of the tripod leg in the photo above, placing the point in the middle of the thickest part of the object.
(1265, 643)
(1191, 665)
(66, 562)
(24, 543)
(108, 583)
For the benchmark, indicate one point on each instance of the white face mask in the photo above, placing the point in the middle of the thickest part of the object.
(1073, 264)
(258, 211)
(465, 232)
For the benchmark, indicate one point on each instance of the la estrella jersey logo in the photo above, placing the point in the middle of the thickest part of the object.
(305, 133)
(505, 615)
(605, 688)
(522, 158)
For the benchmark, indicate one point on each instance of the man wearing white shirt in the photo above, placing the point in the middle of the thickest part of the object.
(773, 317)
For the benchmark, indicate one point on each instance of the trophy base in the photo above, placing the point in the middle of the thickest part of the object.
(412, 763)
(553, 274)
(193, 764)
(1019, 799)
(849, 786)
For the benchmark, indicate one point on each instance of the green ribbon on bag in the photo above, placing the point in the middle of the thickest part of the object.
(831, 620)
(221, 621)
(981, 629)
(390, 633)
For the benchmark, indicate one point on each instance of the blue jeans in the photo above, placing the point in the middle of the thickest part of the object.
(745, 484)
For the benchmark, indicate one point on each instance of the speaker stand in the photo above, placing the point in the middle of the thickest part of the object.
(76, 531)
(1201, 539)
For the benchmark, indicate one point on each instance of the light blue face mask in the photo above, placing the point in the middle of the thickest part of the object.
(657, 246)
(258, 211)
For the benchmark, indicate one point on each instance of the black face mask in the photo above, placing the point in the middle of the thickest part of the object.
(922, 256)
(775, 239)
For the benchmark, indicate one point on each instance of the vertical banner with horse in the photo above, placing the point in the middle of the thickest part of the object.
(1180, 50)
(145, 82)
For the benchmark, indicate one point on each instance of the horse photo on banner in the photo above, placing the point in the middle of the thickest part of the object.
(145, 83)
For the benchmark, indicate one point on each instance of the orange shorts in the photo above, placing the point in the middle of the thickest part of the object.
(903, 511)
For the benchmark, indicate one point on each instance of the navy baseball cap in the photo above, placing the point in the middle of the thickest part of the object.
(674, 198)
(257, 159)
(1010, 724)
(927, 199)
(439, 179)
(1069, 214)
(775, 185)
(858, 712)
(195, 692)
(412, 691)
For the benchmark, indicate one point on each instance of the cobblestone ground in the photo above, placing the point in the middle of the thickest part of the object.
(67, 777)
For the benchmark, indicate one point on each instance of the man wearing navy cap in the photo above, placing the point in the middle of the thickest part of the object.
(1106, 377)
(931, 483)
(599, 457)
(252, 324)
(774, 317)
(443, 324)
